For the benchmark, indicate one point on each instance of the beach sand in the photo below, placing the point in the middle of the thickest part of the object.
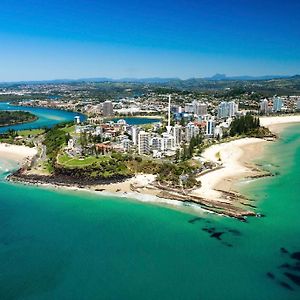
(17, 153)
(278, 123)
(235, 158)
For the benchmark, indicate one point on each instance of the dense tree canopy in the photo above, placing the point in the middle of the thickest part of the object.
(15, 117)
(244, 125)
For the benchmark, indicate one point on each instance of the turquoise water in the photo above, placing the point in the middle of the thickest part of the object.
(71, 245)
(138, 121)
(46, 117)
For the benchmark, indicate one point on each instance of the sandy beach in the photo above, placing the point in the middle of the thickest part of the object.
(236, 158)
(16, 153)
(278, 123)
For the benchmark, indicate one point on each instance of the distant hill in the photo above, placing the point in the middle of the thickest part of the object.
(156, 80)
(245, 77)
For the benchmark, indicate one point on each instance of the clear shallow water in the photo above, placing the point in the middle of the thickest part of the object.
(46, 117)
(71, 245)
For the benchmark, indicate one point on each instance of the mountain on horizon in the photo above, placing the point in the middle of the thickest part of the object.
(219, 77)
(153, 80)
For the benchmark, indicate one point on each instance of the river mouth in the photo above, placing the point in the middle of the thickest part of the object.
(46, 117)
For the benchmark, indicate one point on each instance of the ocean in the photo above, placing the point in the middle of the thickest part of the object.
(57, 244)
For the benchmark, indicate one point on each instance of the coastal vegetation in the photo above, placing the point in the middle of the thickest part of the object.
(248, 125)
(22, 137)
(55, 139)
(195, 146)
(114, 165)
(16, 117)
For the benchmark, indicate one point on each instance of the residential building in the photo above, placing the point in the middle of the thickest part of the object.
(167, 142)
(177, 134)
(191, 130)
(264, 106)
(143, 142)
(277, 104)
(156, 143)
(227, 109)
(189, 108)
(107, 109)
(210, 127)
(134, 134)
(200, 109)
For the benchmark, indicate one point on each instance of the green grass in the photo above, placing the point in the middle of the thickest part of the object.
(8, 141)
(68, 161)
(32, 132)
(69, 129)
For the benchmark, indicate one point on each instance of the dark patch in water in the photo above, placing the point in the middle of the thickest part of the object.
(293, 277)
(192, 221)
(295, 267)
(270, 275)
(283, 250)
(296, 255)
(217, 235)
(234, 231)
(286, 266)
(227, 244)
(286, 285)
(209, 230)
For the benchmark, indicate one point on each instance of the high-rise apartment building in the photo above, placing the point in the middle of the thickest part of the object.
(107, 109)
(277, 104)
(144, 142)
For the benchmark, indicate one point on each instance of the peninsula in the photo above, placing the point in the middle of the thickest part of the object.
(16, 117)
(193, 151)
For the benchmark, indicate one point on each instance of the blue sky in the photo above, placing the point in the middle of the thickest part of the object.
(76, 39)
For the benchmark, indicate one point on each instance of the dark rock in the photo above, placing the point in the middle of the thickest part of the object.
(296, 255)
(217, 235)
(259, 215)
(286, 285)
(234, 231)
(270, 275)
(295, 267)
(285, 265)
(293, 277)
(209, 230)
(283, 250)
(192, 221)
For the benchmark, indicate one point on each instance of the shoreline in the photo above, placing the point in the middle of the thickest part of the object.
(219, 192)
(239, 160)
(21, 154)
(235, 164)
(19, 123)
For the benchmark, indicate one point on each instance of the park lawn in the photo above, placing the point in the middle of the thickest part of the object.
(68, 161)
(69, 129)
(32, 132)
(8, 140)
